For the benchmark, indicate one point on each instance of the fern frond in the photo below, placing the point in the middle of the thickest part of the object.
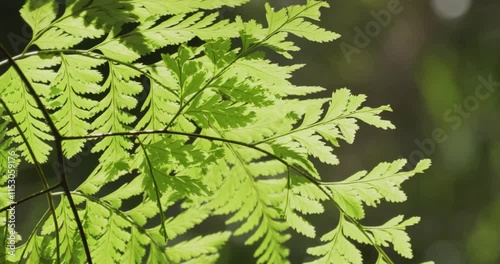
(256, 202)
(181, 223)
(74, 80)
(281, 23)
(160, 104)
(43, 248)
(212, 110)
(187, 6)
(292, 20)
(339, 122)
(384, 181)
(266, 124)
(135, 250)
(70, 245)
(112, 241)
(39, 14)
(203, 96)
(148, 37)
(198, 247)
(27, 114)
(111, 111)
(261, 71)
(50, 32)
(155, 171)
(105, 172)
(303, 198)
(393, 231)
(338, 249)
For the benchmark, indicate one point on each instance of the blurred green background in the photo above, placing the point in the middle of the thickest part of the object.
(436, 63)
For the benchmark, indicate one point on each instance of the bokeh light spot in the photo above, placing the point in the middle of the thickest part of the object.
(450, 9)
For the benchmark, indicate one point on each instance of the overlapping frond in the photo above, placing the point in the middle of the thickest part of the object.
(339, 246)
(76, 78)
(69, 244)
(198, 248)
(383, 182)
(24, 107)
(111, 111)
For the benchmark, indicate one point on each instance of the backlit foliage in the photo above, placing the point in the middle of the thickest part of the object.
(213, 125)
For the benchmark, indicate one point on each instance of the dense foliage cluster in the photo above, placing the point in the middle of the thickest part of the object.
(220, 130)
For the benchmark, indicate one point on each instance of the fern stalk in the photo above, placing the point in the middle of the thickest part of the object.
(58, 142)
(39, 170)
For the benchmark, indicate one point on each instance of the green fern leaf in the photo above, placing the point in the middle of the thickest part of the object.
(76, 27)
(187, 6)
(120, 96)
(281, 23)
(148, 36)
(107, 171)
(384, 181)
(156, 255)
(56, 39)
(303, 198)
(291, 20)
(197, 247)
(215, 111)
(112, 241)
(158, 174)
(265, 124)
(339, 122)
(39, 14)
(135, 249)
(256, 202)
(160, 104)
(69, 244)
(41, 249)
(67, 96)
(186, 220)
(29, 117)
(272, 76)
(338, 248)
(394, 231)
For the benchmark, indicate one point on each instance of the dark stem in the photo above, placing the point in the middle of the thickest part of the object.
(59, 151)
(170, 132)
(65, 186)
(38, 224)
(311, 179)
(157, 192)
(32, 196)
(126, 218)
(39, 171)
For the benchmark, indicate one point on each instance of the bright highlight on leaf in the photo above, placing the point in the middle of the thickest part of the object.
(212, 128)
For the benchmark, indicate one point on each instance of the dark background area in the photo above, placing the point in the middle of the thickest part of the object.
(426, 59)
